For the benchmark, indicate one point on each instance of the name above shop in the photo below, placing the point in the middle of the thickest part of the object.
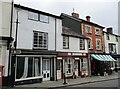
(81, 54)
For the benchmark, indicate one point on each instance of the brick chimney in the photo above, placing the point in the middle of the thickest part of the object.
(88, 18)
(76, 15)
(110, 30)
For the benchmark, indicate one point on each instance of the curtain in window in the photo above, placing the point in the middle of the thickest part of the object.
(25, 68)
(36, 68)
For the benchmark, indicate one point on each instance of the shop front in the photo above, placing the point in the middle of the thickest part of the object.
(102, 64)
(73, 65)
(33, 67)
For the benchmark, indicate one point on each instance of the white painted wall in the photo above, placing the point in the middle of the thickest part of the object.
(74, 44)
(112, 40)
(26, 28)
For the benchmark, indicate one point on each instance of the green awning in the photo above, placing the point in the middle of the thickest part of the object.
(102, 57)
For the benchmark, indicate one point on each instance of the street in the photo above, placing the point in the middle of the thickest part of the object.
(110, 84)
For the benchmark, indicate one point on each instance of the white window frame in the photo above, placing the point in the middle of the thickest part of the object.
(65, 42)
(98, 47)
(33, 16)
(82, 44)
(86, 30)
(97, 31)
(44, 18)
(67, 63)
(38, 44)
(91, 43)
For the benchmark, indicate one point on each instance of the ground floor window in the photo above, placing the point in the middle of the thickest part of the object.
(27, 67)
(58, 64)
(68, 65)
(84, 65)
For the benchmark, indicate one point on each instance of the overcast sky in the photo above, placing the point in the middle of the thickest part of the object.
(102, 12)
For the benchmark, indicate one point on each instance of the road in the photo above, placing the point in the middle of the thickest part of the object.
(111, 84)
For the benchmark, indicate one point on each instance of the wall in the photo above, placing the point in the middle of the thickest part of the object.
(112, 40)
(26, 28)
(93, 36)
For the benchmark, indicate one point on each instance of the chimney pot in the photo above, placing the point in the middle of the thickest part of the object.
(110, 30)
(76, 15)
(88, 18)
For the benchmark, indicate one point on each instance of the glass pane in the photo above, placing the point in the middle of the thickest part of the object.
(48, 64)
(43, 18)
(47, 75)
(20, 67)
(30, 67)
(44, 64)
(33, 16)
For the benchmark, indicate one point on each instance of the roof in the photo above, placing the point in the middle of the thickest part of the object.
(37, 11)
(69, 32)
(81, 20)
(111, 34)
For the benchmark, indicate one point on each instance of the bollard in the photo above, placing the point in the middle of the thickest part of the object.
(64, 79)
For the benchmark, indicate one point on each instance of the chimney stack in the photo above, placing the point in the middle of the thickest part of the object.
(110, 30)
(88, 18)
(76, 15)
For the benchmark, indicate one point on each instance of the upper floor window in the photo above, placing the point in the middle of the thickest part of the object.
(90, 43)
(98, 44)
(82, 44)
(97, 31)
(65, 42)
(38, 17)
(112, 48)
(107, 36)
(40, 40)
(33, 16)
(88, 29)
(44, 18)
(116, 38)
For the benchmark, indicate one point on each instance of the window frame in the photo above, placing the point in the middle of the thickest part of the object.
(44, 18)
(67, 63)
(67, 43)
(83, 44)
(38, 40)
(97, 44)
(91, 43)
(97, 30)
(30, 12)
(90, 30)
(107, 36)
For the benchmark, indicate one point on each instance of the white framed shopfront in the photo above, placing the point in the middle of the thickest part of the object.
(35, 66)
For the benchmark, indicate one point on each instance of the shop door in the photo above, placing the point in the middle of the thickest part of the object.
(46, 69)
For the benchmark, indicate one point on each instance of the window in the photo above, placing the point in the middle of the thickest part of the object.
(107, 36)
(82, 44)
(84, 66)
(27, 67)
(58, 64)
(88, 29)
(97, 31)
(40, 40)
(112, 48)
(65, 42)
(116, 39)
(98, 44)
(33, 16)
(43, 18)
(90, 43)
(68, 65)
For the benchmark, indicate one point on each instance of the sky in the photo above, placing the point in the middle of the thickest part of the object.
(102, 12)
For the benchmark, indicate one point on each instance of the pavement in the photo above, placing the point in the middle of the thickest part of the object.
(72, 82)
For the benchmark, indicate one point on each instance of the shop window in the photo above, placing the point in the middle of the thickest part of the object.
(28, 67)
(84, 65)
(68, 65)
(58, 64)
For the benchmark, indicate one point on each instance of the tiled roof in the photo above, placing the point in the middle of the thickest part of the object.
(69, 32)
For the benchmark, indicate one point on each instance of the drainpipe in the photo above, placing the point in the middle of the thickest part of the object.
(56, 44)
(9, 43)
